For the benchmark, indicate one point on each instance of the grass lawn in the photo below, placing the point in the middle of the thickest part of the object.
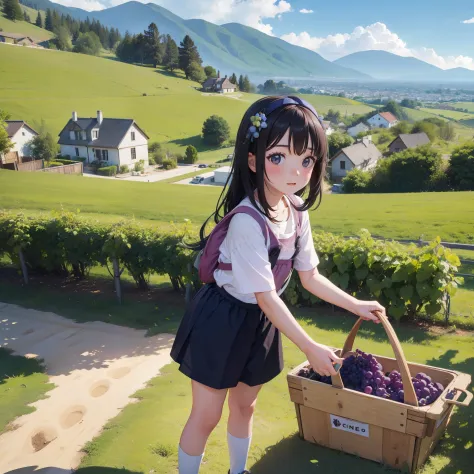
(144, 437)
(449, 215)
(22, 381)
(25, 28)
(450, 114)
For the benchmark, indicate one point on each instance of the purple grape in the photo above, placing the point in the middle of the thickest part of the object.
(368, 389)
(425, 392)
(378, 381)
(381, 392)
(369, 375)
(387, 380)
(439, 386)
(394, 396)
(418, 393)
(423, 382)
(401, 395)
(398, 385)
(422, 402)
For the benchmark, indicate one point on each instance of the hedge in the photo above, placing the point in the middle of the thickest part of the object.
(52, 164)
(107, 170)
(66, 161)
(406, 280)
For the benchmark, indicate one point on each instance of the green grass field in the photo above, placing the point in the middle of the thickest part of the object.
(464, 105)
(25, 28)
(144, 437)
(22, 381)
(450, 114)
(43, 85)
(449, 215)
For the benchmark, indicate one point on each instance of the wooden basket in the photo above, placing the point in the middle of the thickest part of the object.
(400, 435)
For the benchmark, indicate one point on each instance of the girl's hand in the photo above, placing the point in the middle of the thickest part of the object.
(365, 309)
(321, 359)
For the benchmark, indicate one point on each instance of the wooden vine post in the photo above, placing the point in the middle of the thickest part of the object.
(401, 435)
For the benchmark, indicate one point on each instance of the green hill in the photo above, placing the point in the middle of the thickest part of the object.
(25, 28)
(48, 85)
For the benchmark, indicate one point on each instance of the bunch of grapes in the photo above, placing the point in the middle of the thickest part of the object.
(363, 373)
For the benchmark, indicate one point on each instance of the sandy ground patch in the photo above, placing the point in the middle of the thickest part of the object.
(96, 367)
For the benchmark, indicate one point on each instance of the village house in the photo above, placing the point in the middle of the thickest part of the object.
(113, 141)
(219, 84)
(408, 140)
(382, 120)
(20, 134)
(14, 38)
(327, 127)
(356, 129)
(362, 155)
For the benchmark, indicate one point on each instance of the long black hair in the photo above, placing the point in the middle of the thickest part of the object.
(304, 129)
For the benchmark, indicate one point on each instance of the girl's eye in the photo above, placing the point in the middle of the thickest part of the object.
(276, 159)
(308, 162)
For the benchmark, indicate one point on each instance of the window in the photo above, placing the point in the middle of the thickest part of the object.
(23, 133)
(77, 151)
(98, 154)
(343, 164)
(72, 135)
(133, 151)
(77, 135)
(95, 134)
(105, 155)
(133, 136)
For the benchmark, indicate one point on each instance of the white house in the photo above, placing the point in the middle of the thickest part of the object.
(356, 129)
(219, 84)
(362, 155)
(327, 127)
(382, 120)
(111, 140)
(221, 174)
(20, 134)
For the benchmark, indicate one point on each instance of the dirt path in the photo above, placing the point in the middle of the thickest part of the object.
(96, 367)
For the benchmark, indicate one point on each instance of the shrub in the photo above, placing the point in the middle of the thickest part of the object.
(337, 141)
(155, 146)
(215, 130)
(179, 157)
(357, 181)
(65, 161)
(52, 164)
(123, 169)
(169, 163)
(461, 167)
(151, 160)
(81, 159)
(107, 170)
(191, 155)
(429, 128)
(139, 166)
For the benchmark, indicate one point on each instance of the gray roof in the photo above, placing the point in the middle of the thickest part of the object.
(223, 81)
(14, 35)
(111, 131)
(360, 153)
(13, 126)
(412, 140)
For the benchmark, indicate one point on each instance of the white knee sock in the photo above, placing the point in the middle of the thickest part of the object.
(238, 452)
(188, 464)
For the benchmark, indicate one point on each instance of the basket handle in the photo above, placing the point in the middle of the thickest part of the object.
(409, 390)
(467, 400)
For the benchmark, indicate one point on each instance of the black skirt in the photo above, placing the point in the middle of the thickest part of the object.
(222, 341)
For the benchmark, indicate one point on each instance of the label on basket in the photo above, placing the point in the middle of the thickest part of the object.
(345, 424)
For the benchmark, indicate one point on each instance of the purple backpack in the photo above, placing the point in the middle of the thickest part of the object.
(208, 259)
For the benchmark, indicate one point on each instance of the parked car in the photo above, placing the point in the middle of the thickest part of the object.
(337, 189)
(197, 180)
(202, 165)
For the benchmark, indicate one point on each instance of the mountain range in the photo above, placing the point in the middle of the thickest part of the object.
(233, 47)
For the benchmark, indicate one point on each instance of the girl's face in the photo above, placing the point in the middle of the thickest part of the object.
(286, 171)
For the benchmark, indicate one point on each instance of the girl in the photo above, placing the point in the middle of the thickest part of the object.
(229, 339)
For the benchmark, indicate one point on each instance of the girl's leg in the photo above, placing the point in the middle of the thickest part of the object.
(242, 401)
(205, 414)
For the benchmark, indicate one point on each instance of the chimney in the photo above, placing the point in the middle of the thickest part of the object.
(74, 116)
(99, 117)
(225, 76)
(218, 74)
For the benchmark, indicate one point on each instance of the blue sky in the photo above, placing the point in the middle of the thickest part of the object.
(435, 31)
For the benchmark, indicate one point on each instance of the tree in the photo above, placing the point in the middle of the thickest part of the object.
(233, 79)
(357, 181)
(48, 22)
(246, 84)
(171, 56)
(5, 143)
(196, 72)
(210, 72)
(153, 48)
(334, 116)
(241, 82)
(215, 130)
(191, 154)
(461, 167)
(410, 103)
(447, 132)
(188, 53)
(63, 38)
(88, 43)
(39, 20)
(124, 49)
(429, 128)
(44, 147)
(337, 141)
(401, 127)
(12, 10)
(26, 17)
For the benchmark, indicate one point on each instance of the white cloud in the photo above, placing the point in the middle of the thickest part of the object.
(304, 10)
(89, 5)
(469, 21)
(376, 36)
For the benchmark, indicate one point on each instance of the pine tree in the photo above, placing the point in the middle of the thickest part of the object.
(56, 20)
(12, 10)
(26, 17)
(154, 53)
(48, 22)
(241, 83)
(233, 78)
(246, 84)
(171, 56)
(188, 54)
(39, 21)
